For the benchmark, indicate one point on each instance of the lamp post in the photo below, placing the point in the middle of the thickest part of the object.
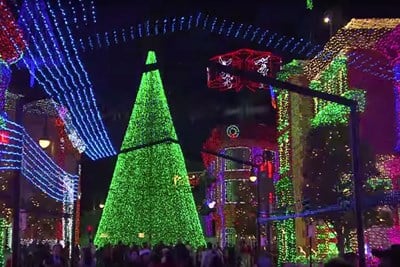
(44, 141)
(328, 19)
(254, 177)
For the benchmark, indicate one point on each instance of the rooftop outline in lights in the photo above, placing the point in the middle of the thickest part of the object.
(378, 36)
(361, 34)
(52, 58)
(35, 165)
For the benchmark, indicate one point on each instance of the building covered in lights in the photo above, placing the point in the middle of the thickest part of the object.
(43, 217)
(234, 194)
(361, 61)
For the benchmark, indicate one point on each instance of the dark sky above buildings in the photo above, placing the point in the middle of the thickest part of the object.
(196, 109)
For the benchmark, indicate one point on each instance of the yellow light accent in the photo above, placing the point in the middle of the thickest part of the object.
(44, 143)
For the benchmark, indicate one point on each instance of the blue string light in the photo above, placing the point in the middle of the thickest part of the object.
(61, 73)
(82, 12)
(46, 81)
(102, 130)
(303, 214)
(298, 47)
(36, 166)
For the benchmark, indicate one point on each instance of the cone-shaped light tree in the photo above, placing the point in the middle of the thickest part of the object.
(150, 199)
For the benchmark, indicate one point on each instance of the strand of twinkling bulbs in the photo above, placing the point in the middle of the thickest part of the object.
(48, 83)
(299, 47)
(48, 77)
(96, 116)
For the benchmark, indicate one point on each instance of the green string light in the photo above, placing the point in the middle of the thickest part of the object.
(310, 4)
(150, 198)
(286, 234)
(3, 227)
(335, 114)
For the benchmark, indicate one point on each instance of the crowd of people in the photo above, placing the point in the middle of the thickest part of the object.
(161, 255)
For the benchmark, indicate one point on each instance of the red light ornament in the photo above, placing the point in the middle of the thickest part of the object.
(264, 63)
(11, 39)
(4, 137)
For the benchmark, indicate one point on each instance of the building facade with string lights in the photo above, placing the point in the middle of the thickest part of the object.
(234, 193)
(360, 62)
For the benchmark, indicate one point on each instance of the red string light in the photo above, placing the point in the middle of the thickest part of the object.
(4, 137)
(11, 39)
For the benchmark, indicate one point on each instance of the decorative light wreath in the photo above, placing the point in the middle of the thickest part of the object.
(233, 131)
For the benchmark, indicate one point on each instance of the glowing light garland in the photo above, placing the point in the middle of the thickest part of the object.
(82, 13)
(310, 4)
(11, 39)
(55, 64)
(326, 242)
(334, 114)
(5, 77)
(286, 233)
(35, 164)
(388, 165)
(3, 227)
(396, 70)
(143, 195)
(265, 38)
(332, 80)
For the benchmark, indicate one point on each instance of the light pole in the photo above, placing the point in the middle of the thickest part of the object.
(254, 178)
(21, 100)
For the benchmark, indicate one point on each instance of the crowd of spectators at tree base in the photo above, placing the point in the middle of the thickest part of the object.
(178, 255)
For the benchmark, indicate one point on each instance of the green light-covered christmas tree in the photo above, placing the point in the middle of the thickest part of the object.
(150, 199)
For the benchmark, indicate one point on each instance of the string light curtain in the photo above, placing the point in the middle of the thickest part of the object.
(52, 59)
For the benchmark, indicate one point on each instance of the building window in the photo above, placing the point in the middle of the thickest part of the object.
(240, 153)
(239, 191)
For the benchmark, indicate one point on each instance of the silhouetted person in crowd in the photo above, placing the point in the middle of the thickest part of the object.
(167, 259)
(351, 258)
(389, 257)
(88, 259)
(133, 259)
(56, 259)
(338, 262)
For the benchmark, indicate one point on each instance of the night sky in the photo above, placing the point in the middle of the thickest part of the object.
(195, 109)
